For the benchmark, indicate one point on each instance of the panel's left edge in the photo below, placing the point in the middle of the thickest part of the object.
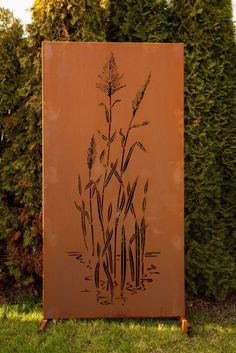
(43, 175)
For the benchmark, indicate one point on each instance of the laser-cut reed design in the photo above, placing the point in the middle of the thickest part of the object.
(118, 251)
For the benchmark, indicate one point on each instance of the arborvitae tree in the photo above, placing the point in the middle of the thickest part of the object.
(206, 28)
(11, 33)
(22, 161)
(67, 20)
(10, 39)
(138, 21)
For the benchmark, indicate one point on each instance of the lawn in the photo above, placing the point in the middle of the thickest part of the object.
(213, 331)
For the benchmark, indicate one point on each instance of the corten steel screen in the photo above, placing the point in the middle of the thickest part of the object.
(113, 180)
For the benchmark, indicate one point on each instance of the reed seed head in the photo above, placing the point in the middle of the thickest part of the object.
(139, 96)
(109, 79)
(92, 153)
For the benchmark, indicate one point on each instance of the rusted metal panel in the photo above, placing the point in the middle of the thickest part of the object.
(113, 196)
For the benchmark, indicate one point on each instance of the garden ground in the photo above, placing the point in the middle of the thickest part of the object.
(213, 331)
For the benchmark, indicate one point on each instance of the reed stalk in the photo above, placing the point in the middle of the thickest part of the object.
(92, 153)
(108, 149)
(125, 161)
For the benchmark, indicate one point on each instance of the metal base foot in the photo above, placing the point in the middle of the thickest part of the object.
(185, 326)
(43, 325)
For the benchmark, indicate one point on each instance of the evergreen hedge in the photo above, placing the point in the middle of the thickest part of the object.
(207, 30)
(11, 40)
(138, 21)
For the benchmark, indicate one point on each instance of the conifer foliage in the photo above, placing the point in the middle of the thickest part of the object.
(138, 21)
(11, 33)
(206, 28)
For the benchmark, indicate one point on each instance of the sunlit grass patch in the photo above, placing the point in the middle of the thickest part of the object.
(19, 333)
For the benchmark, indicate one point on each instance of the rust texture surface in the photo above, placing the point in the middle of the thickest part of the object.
(113, 190)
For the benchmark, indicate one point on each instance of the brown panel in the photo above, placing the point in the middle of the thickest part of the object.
(113, 180)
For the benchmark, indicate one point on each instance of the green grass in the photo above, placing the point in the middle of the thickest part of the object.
(213, 332)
